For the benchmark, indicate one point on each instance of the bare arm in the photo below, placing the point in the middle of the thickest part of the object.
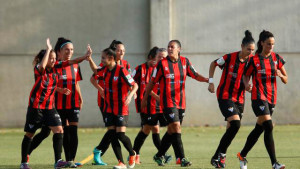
(201, 78)
(148, 90)
(80, 96)
(246, 80)
(97, 86)
(282, 74)
(212, 68)
(44, 61)
(155, 96)
(131, 93)
(82, 58)
(65, 91)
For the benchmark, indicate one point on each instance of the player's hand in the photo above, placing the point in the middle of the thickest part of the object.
(80, 103)
(248, 88)
(211, 88)
(127, 101)
(135, 95)
(278, 73)
(88, 52)
(49, 46)
(101, 93)
(66, 91)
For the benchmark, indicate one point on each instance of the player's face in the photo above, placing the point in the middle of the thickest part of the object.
(104, 59)
(162, 55)
(120, 51)
(51, 60)
(153, 62)
(268, 45)
(173, 49)
(66, 51)
(248, 49)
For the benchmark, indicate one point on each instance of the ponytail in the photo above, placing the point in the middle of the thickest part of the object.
(262, 37)
(113, 45)
(248, 38)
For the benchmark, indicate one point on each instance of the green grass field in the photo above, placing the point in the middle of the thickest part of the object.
(199, 144)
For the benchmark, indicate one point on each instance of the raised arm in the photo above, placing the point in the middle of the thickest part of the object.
(44, 61)
(82, 58)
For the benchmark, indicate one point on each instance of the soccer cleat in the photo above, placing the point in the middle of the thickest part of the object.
(60, 164)
(24, 166)
(97, 157)
(137, 159)
(71, 164)
(215, 163)
(120, 166)
(185, 162)
(159, 160)
(131, 162)
(243, 161)
(178, 161)
(276, 165)
(167, 158)
(79, 164)
(221, 160)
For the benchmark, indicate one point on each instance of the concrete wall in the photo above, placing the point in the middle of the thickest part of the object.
(206, 29)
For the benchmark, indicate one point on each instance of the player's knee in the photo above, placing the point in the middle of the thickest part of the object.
(45, 132)
(235, 124)
(155, 129)
(268, 126)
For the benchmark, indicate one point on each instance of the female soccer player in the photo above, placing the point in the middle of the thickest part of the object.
(119, 48)
(41, 107)
(117, 83)
(263, 68)
(151, 115)
(230, 93)
(171, 74)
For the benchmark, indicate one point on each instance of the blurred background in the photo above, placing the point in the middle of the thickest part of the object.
(207, 30)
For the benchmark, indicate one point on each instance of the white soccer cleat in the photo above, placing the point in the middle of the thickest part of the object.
(243, 161)
(278, 166)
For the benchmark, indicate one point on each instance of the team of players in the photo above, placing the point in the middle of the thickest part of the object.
(159, 85)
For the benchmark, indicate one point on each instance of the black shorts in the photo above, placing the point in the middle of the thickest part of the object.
(36, 118)
(230, 108)
(153, 119)
(174, 115)
(72, 115)
(112, 120)
(103, 114)
(261, 107)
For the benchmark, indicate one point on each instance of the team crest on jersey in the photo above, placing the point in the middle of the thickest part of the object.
(116, 78)
(184, 66)
(257, 65)
(31, 125)
(166, 68)
(262, 108)
(172, 115)
(75, 69)
(230, 109)
(276, 62)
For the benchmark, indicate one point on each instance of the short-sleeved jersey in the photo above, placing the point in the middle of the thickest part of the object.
(263, 72)
(117, 83)
(68, 78)
(126, 65)
(43, 90)
(171, 77)
(231, 86)
(142, 75)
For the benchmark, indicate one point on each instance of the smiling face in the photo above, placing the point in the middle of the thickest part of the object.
(66, 52)
(120, 51)
(173, 49)
(51, 60)
(268, 45)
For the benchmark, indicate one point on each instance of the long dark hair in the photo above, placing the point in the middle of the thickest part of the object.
(262, 37)
(39, 57)
(114, 44)
(110, 52)
(152, 53)
(248, 38)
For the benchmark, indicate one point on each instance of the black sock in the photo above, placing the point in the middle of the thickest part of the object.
(269, 141)
(73, 142)
(252, 139)
(126, 142)
(105, 141)
(175, 150)
(178, 144)
(57, 145)
(117, 147)
(227, 137)
(139, 141)
(37, 139)
(25, 148)
(156, 140)
(66, 142)
(166, 142)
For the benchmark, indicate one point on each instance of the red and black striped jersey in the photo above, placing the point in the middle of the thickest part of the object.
(42, 92)
(68, 78)
(231, 86)
(171, 77)
(263, 72)
(117, 83)
(126, 65)
(142, 75)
